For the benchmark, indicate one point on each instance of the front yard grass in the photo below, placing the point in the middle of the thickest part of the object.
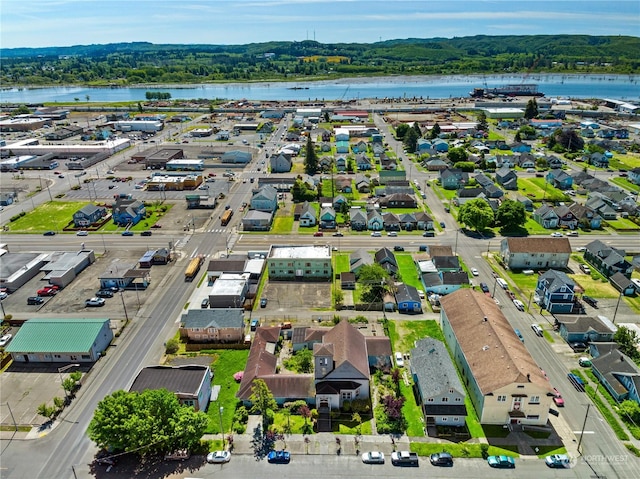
(626, 184)
(623, 224)
(404, 334)
(410, 409)
(597, 288)
(408, 271)
(226, 363)
(462, 449)
(282, 225)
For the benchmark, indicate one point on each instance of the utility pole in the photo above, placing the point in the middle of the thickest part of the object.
(583, 426)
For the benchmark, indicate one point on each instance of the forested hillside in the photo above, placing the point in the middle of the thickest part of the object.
(135, 63)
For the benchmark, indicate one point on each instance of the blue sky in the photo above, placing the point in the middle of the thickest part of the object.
(38, 23)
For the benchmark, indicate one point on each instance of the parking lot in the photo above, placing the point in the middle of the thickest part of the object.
(289, 298)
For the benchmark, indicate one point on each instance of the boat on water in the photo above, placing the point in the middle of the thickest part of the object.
(523, 89)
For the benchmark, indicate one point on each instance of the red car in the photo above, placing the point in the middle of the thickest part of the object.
(48, 291)
(557, 398)
(318, 233)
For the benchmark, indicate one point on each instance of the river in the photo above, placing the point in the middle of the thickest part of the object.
(620, 87)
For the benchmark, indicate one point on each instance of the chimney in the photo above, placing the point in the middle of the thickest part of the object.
(528, 377)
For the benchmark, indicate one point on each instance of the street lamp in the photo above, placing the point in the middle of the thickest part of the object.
(63, 369)
(220, 409)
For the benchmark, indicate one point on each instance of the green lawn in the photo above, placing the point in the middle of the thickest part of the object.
(342, 263)
(623, 224)
(595, 287)
(408, 271)
(462, 449)
(53, 215)
(282, 225)
(224, 366)
(411, 410)
(404, 334)
(626, 184)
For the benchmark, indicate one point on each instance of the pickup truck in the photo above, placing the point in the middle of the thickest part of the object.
(404, 458)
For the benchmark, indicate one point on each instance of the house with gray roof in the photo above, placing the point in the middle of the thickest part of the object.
(607, 259)
(213, 325)
(507, 178)
(453, 178)
(408, 299)
(618, 374)
(546, 216)
(308, 215)
(236, 157)
(385, 258)
(265, 199)
(256, 220)
(88, 215)
(555, 291)
(190, 383)
(358, 219)
(280, 163)
(358, 259)
(578, 328)
(439, 389)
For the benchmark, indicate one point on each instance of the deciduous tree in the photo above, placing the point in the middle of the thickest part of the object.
(511, 215)
(627, 340)
(150, 422)
(457, 154)
(476, 214)
(262, 399)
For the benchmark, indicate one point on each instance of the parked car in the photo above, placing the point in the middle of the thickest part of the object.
(146, 233)
(442, 225)
(474, 272)
(576, 382)
(441, 459)
(429, 234)
(557, 398)
(519, 334)
(4, 340)
(82, 233)
(205, 303)
(48, 291)
(572, 233)
(590, 301)
(338, 234)
(263, 302)
(578, 347)
(318, 233)
(4, 295)
(518, 304)
(104, 293)
(501, 462)
(584, 361)
(584, 268)
(254, 324)
(218, 457)
(373, 457)
(127, 233)
(94, 302)
(279, 457)
(399, 360)
(556, 235)
(376, 234)
(581, 249)
(35, 300)
(392, 234)
(398, 248)
(558, 461)
(49, 233)
(484, 287)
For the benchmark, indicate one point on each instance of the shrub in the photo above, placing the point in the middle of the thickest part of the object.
(172, 346)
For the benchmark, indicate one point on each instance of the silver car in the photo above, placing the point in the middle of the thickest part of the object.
(373, 457)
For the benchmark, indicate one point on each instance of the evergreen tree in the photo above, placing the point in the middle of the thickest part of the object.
(531, 110)
(311, 159)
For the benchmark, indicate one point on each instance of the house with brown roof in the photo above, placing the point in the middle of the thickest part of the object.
(341, 365)
(535, 253)
(505, 384)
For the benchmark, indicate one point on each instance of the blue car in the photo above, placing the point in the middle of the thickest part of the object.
(127, 233)
(279, 457)
(501, 462)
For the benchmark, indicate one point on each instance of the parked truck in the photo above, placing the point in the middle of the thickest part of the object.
(193, 268)
(226, 217)
(404, 458)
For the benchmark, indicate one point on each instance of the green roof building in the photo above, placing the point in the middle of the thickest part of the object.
(52, 340)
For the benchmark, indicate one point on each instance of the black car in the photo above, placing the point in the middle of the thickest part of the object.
(578, 347)
(263, 303)
(441, 459)
(35, 300)
(146, 233)
(429, 234)
(590, 301)
(104, 293)
(205, 303)
(49, 233)
(484, 287)
(398, 248)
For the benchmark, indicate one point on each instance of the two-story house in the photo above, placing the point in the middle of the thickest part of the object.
(555, 292)
(607, 259)
(453, 178)
(507, 178)
(280, 163)
(504, 383)
(535, 253)
(546, 216)
(440, 392)
(408, 299)
(128, 211)
(88, 215)
(358, 219)
(213, 325)
(265, 199)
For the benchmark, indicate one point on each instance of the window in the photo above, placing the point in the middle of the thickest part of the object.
(445, 399)
(534, 400)
(324, 361)
(502, 398)
(450, 391)
(458, 399)
(533, 417)
(86, 356)
(430, 400)
(307, 265)
(520, 386)
(456, 419)
(346, 395)
(444, 419)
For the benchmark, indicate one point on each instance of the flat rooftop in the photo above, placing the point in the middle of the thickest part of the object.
(300, 252)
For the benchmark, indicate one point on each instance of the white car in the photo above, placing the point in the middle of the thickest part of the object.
(518, 304)
(218, 457)
(392, 233)
(399, 360)
(82, 233)
(373, 457)
(474, 272)
(376, 234)
(4, 295)
(4, 340)
(556, 235)
(94, 302)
